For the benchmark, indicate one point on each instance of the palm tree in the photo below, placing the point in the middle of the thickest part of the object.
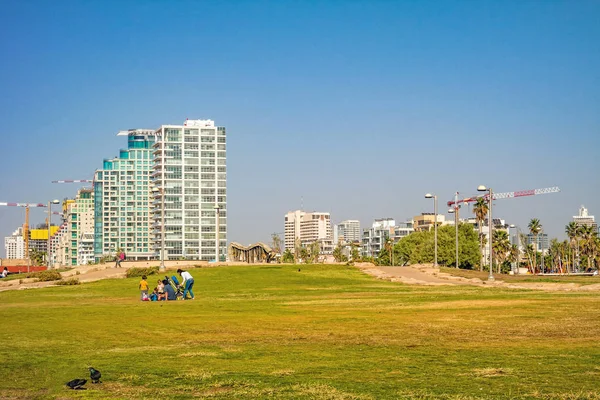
(513, 256)
(572, 231)
(589, 240)
(501, 245)
(535, 228)
(480, 209)
(556, 254)
(389, 248)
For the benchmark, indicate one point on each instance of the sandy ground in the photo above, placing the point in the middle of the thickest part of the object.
(430, 276)
(87, 273)
(412, 275)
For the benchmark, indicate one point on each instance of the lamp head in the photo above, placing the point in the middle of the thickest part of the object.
(451, 211)
(512, 225)
(481, 188)
(55, 201)
(428, 196)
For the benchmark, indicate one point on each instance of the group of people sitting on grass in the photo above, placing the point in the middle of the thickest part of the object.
(164, 289)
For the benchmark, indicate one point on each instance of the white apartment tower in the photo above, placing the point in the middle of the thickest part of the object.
(584, 219)
(14, 245)
(190, 177)
(347, 232)
(307, 228)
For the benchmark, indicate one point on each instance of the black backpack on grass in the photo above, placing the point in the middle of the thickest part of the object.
(77, 384)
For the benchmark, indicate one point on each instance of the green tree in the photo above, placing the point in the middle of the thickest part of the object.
(37, 257)
(480, 209)
(572, 231)
(513, 255)
(276, 243)
(354, 253)
(337, 253)
(501, 247)
(287, 257)
(535, 227)
(589, 242)
(314, 251)
(418, 247)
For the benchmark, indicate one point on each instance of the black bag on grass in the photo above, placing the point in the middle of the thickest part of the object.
(77, 384)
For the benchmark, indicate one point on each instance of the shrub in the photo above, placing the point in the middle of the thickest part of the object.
(45, 276)
(133, 272)
(68, 282)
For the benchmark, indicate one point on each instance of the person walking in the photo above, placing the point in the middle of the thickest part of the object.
(118, 260)
(188, 283)
(143, 288)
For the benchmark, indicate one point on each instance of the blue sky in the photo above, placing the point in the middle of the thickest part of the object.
(357, 108)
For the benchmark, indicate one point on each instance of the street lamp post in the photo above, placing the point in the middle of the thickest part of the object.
(218, 215)
(482, 188)
(518, 247)
(455, 210)
(159, 191)
(49, 249)
(434, 197)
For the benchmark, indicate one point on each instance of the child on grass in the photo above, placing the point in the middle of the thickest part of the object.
(143, 288)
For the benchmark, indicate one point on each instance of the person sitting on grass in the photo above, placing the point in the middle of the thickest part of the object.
(169, 291)
(188, 283)
(161, 291)
(5, 272)
(154, 295)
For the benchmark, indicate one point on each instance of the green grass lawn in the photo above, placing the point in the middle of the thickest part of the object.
(325, 332)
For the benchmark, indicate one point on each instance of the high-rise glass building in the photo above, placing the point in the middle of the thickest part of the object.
(122, 196)
(190, 176)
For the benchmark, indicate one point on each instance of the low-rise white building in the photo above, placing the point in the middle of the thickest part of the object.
(14, 245)
(374, 238)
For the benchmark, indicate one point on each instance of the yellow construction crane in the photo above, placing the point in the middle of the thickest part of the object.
(26, 224)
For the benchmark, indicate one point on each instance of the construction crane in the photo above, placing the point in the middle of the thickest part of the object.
(26, 225)
(507, 195)
(74, 181)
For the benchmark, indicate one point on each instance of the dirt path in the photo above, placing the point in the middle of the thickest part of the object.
(430, 276)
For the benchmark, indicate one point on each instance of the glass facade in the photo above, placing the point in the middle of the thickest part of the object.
(122, 193)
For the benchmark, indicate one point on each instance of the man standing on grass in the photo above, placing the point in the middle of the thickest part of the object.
(188, 283)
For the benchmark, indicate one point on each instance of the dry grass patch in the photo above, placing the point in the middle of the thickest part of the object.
(283, 372)
(199, 354)
(491, 372)
(326, 392)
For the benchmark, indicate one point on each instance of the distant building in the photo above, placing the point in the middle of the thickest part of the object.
(374, 238)
(403, 229)
(38, 238)
(14, 245)
(305, 228)
(122, 201)
(346, 232)
(541, 243)
(424, 222)
(584, 219)
(190, 171)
